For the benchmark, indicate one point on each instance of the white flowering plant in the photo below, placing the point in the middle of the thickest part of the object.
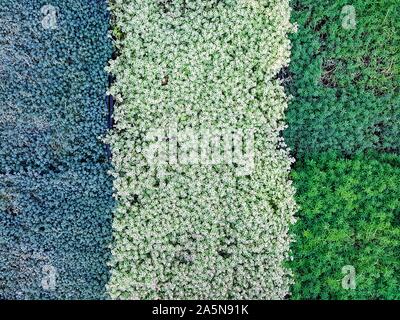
(200, 231)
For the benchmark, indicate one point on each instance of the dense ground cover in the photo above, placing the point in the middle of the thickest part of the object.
(195, 79)
(55, 195)
(349, 216)
(185, 230)
(344, 79)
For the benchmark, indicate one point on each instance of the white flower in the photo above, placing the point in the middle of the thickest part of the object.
(218, 235)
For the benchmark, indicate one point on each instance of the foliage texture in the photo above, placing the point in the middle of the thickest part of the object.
(55, 195)
(344, 77)
(349, 216)
(203, 232)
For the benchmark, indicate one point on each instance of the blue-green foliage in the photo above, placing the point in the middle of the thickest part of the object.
(55, 194)
(345, 78)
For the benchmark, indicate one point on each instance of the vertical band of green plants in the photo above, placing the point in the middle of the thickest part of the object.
(343, 129)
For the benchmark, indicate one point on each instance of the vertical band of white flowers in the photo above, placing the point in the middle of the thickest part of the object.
(203, 209)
